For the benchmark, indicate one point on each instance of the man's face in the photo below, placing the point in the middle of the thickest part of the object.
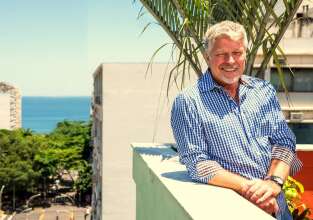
(227, 60)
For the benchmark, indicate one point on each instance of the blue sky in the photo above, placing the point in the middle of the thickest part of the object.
(52, 47)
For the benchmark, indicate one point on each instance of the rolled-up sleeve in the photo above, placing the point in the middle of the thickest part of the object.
(191, 145)
(283, 140)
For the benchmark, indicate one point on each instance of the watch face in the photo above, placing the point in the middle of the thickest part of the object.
(278, 180)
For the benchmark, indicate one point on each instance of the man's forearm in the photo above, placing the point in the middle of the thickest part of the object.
(234, 181)
(229, 180)
(261, 190)
(241, 185)
(279, 168)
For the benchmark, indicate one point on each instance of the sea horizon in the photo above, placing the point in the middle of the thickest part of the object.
(42, 113)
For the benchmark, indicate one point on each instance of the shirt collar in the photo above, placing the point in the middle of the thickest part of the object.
(207, 83)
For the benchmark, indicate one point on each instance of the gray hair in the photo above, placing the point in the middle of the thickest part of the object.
(227, 28)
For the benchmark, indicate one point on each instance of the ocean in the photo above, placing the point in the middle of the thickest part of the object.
(41, 114)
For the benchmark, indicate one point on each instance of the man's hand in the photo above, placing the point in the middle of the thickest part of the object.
(258, 191)
(270, 206)
(262, 193)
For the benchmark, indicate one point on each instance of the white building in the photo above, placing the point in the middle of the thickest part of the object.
(297, 68)
(10, 110)
(125, 110)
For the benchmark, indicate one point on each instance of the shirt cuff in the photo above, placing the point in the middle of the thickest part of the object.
(288, 157)
(295, 166)
(283, 154)
(207, 169)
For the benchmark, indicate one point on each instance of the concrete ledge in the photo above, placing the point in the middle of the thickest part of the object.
(305, 147)
(165, 191)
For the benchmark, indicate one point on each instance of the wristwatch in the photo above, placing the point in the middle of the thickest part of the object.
(279, 181)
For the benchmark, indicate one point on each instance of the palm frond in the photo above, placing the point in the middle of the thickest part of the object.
(166, 14)
(185, 21)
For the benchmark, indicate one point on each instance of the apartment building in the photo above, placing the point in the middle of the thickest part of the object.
(125, 110)
(10, 111)
(297, 68)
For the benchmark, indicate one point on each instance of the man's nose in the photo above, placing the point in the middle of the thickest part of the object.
(230, 58)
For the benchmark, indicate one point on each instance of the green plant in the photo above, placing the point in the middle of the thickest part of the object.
(185, 21)
(293, 190)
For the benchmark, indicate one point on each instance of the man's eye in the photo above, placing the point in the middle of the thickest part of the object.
(220, 54)
(237, 53)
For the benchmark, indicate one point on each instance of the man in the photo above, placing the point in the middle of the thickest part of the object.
(229, 128)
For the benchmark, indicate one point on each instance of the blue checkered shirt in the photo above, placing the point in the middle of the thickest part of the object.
(214, 132)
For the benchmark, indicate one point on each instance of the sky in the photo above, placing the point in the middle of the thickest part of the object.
(52, 48)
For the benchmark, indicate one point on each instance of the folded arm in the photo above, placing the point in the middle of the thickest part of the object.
(192, 148)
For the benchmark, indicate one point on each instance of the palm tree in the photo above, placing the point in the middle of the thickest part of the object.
(185, 21)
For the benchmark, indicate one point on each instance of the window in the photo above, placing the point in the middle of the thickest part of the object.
(301, 81)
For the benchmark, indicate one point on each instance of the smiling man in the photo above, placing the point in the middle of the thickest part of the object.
(229, 127)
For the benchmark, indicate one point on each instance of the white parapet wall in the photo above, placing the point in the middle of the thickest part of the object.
(165, 192)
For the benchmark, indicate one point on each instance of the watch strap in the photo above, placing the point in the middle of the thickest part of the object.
(278, 180)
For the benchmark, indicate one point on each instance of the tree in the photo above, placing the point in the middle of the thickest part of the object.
(75, 139)
(185, 21)
(30, 162)
(67, 150)
(83, 184)
(17, 152)
(74, 133)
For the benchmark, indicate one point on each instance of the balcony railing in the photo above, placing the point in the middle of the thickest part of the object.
(164, 191)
